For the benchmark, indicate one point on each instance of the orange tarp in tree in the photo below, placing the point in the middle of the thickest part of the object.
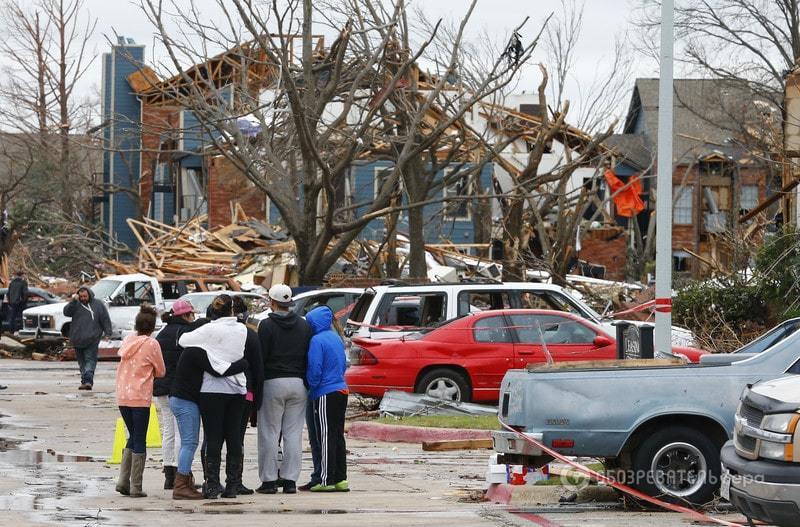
(627, 197)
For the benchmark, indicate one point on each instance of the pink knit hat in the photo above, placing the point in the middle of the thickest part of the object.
(181, 307)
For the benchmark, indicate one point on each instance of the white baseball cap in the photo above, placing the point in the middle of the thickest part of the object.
(282, 294)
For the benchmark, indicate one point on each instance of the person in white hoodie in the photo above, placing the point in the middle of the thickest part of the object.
(222, 399)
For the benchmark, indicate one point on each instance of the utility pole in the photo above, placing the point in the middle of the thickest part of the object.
(663, 333)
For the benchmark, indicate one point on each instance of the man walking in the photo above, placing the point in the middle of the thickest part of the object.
(17, 299)
(284, 338)
(90, 321)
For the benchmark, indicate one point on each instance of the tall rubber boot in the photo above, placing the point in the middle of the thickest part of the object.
(124, 481)
(137, 474)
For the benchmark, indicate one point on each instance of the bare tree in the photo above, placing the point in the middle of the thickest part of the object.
(751, 40)
(437, 154)
(319, 109)
(45, 165)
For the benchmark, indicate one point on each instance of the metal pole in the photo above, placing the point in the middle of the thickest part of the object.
(663, 335)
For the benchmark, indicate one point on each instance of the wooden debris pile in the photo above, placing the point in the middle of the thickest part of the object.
(191, 249)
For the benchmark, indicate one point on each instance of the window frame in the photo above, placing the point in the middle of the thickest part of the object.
(681, 192)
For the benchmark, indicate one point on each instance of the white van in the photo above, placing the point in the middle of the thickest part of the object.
(390, 311)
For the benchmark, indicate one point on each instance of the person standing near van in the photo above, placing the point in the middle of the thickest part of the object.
(328, 391)
(17, 300)
(255, 379)
(284, 337)
(222, 399)
(90, 321)
(140, 363)
(177, 320)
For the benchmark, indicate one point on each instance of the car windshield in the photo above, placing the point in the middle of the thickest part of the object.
(200, 302)
(770, 338)
(105, 288)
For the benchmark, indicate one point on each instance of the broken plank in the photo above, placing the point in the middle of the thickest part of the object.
(457, 444)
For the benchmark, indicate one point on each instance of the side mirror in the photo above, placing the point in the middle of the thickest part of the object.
(601, 341)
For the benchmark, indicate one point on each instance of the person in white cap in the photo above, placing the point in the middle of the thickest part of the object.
(284, 338)
(177, 319)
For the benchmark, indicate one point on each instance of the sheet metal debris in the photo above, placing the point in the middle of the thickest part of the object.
(402, 404)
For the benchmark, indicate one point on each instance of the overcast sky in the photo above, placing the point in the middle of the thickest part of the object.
(603, 21)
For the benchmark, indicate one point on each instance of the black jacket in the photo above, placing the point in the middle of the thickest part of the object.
(255, 368)
(284, 341)
(17, 291)
(168, 340)
(89, 322)
(192, 363)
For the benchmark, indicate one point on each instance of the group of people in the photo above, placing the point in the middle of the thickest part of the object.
(217, 373)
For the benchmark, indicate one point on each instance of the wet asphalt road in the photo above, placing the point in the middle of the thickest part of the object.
(54, 441)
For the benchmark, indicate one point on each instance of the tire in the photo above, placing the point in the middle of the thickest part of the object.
(445, 383)
(692, 464)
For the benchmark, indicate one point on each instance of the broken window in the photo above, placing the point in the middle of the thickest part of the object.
(715, 167)
(680, 261)
(493, 330)
(458, 209)
(749, 198)
(682, 214)
(474, 301)
(412, 310)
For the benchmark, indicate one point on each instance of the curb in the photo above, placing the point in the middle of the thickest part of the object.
(411, 434)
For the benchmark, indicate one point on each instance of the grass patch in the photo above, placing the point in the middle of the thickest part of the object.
(483, 422)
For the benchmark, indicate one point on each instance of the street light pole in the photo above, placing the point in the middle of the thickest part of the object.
(663, 332)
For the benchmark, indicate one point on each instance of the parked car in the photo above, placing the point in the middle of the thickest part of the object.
(36, 297)
(430, 304)
(465, 359)
(666, 424)
(340, 299)
(123, 294)
(201, 301)
(761, 465)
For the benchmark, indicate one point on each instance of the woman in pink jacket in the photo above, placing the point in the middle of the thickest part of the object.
(140, 363)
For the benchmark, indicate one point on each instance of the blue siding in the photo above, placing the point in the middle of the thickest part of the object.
(437, 227)
(125, 113)
(106, 111)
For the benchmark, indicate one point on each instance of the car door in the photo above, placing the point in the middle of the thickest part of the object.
(491, 353)
(562, 337)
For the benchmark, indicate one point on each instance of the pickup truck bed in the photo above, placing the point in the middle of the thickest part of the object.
(626, 415)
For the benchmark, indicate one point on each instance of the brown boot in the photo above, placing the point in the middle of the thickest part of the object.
(184, 488)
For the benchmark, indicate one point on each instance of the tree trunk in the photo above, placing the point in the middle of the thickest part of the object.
(418, 268)
(513, 266)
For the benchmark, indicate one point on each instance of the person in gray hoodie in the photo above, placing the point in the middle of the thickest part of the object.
(90, 322)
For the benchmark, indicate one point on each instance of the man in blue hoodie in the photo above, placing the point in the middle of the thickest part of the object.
(90, 321)
(328, 391)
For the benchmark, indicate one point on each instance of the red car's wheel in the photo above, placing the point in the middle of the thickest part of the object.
(445, 383)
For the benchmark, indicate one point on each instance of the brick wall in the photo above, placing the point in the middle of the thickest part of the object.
(606, 247)
(226, 185)
(158, 122)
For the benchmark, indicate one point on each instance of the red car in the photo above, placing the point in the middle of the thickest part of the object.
(466, 359)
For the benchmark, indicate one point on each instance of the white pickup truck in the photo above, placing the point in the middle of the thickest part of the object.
(123, 294)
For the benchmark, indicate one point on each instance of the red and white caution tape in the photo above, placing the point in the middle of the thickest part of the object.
(697, 516)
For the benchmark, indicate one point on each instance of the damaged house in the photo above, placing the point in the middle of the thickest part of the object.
(160, 163)
(718, 173)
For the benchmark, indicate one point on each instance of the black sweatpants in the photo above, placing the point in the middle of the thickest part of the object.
(329, 412)
(222, 422)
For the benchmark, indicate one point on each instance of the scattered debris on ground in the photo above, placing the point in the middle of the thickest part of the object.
(399, 403)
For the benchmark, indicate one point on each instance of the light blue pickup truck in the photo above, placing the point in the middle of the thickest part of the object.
(659, 428)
